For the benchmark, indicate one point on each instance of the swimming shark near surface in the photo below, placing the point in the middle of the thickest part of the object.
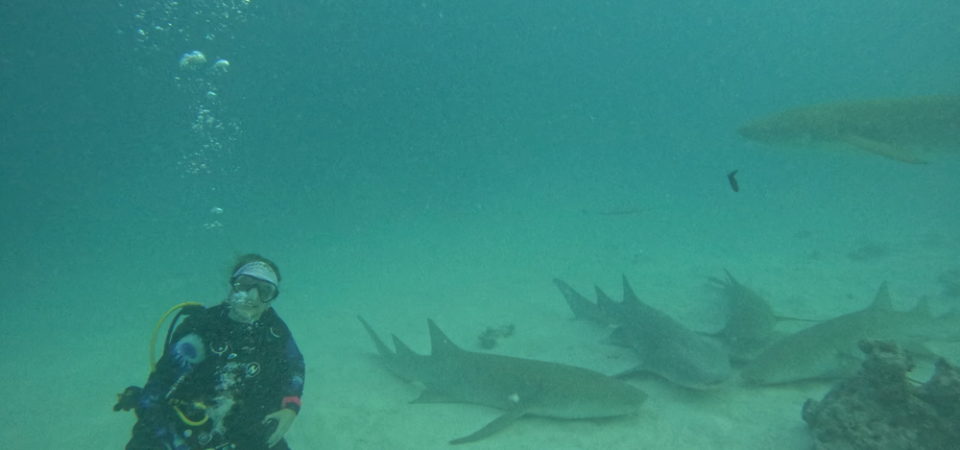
(893, 128)
(664, 346)
(518, 386)
(829, 349)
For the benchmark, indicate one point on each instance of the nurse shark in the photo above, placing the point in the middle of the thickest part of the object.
(664, 346)
(897, 128)
(517, 386)
(830, 349)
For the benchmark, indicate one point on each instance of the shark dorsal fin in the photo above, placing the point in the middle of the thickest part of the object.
(628, 295)
(381, 347)
(401, 348)
(882, 300)
(604, 302)
(440, 344)
(580, 306)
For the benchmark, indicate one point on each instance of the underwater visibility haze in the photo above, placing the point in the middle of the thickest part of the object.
(415, 160)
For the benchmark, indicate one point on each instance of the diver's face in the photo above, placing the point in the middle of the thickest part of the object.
(249, 298)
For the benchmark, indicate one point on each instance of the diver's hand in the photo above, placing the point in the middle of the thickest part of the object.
(284, 418)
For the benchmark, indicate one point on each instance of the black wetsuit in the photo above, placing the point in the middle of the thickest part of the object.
(216, 382)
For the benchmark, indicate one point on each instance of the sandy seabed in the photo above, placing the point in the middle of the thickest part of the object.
(467, 274)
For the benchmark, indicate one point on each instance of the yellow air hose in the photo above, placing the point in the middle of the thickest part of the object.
(153, 365)
(187, 420)
(156, 331)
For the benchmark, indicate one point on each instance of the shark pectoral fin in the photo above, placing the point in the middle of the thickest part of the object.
(496, 425)
(882, 149)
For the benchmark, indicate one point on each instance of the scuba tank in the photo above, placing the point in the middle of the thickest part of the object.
(130, 397)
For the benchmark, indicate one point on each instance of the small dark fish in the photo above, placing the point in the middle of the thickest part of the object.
(732, 178)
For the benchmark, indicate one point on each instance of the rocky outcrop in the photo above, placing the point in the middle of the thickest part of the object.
(880, 408)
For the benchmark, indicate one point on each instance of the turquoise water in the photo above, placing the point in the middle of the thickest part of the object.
(411, 159)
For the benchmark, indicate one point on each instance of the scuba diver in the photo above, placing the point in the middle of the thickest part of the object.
(230, 376)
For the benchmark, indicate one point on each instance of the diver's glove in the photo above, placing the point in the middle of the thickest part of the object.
(283, 418)
(128, 399)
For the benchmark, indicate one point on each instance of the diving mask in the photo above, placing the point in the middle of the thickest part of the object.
(243, 283)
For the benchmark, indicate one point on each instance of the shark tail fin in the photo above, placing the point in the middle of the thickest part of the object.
(402, 349)
(604, 302)
(581, 307)
(608, 306)
(381, 347)
(440, 344)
